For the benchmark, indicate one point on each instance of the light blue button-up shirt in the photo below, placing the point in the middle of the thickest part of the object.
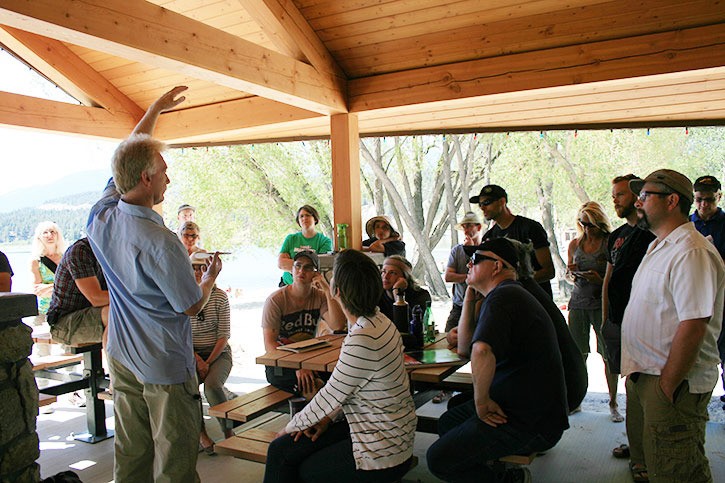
(150, 283)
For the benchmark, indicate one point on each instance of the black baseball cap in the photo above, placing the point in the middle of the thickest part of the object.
(492, 191)
(707, 183)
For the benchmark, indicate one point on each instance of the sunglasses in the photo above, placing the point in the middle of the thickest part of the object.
(479, 257)
(304, 267)
(586, 224)
(705, 200)
(487, 202)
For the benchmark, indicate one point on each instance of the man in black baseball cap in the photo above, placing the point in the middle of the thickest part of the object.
(493, 201)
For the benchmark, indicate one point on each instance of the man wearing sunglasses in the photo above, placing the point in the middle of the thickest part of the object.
(514, 353)
(669, 333)
(709, 219)
(493, 201)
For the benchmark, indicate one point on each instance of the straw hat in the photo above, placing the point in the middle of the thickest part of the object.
(370, 226)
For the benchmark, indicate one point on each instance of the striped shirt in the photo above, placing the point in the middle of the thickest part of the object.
(212, 323)
(371, 386)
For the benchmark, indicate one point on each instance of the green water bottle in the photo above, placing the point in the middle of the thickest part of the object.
(429, 325)
(341, 236)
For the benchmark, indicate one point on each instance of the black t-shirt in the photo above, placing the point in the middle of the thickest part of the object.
(396, 247)
(528, 361)
(5, 265)
(524, 230)
(626, 247)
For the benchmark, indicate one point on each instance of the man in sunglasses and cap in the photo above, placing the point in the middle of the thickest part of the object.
(514, 353)
(669, 333)
(493, 201)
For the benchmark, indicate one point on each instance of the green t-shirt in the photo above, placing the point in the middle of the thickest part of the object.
(296, 242)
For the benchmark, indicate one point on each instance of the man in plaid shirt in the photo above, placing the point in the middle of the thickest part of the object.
(78, 312)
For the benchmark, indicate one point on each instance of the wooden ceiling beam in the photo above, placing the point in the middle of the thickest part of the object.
(32, 112)
(289, 31)
(144, 32)
(682, 50)
(62, 66)
(226, 116)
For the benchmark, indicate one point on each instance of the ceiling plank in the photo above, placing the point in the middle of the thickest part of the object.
(32, 112)
(227, 116)
(59, 64)
(688, 49)
(147, 33)
(289, 31)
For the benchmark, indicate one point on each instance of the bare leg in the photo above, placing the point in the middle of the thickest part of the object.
(612, 382)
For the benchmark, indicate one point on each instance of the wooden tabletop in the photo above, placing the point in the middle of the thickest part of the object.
(325, 359)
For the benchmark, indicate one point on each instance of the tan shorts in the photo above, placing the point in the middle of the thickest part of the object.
(80, 327)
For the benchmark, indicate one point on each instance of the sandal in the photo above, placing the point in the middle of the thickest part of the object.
(621, 451)
(615, 415)
(639, 473)
(440, 397)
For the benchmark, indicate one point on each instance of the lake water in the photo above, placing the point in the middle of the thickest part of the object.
(251, 273)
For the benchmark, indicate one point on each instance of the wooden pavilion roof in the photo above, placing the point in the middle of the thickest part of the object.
(264, 70)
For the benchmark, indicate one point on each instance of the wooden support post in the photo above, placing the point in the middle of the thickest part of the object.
(346, 199)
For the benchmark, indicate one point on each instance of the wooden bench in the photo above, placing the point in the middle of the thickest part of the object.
(251, 444)
(250, 405)
(45, 399)
(44, 363)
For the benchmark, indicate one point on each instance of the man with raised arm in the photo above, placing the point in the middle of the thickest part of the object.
(152, 293)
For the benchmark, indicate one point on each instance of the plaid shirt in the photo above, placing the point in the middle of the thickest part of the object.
(77, 262)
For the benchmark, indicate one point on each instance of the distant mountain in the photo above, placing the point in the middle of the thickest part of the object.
(56, 192)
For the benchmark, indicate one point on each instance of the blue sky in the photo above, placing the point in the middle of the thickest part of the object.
(34, 157)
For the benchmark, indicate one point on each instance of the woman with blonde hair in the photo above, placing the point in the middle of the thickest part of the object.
(586, 266)
(46, 251)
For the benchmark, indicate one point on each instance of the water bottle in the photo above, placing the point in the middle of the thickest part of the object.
(341, 236)
(401, 311)
(429, 331)
(416, 326)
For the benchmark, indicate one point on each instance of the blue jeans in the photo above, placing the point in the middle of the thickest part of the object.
(329, 459)
(467, 445)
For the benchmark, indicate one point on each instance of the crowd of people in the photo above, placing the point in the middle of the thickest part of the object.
(652, 290)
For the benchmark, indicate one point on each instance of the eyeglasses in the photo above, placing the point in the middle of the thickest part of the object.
(705, 200)
(190, 235)
(644, 194)
(199, 268)
(479, 257)
(586, 224)
(305, 267)
(487, 202)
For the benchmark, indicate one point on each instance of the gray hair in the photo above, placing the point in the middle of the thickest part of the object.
(132, 157)
(187, 225)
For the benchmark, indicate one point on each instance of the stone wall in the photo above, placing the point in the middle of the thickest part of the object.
(19, 445)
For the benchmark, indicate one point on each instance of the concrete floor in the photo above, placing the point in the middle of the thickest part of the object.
(583, 454)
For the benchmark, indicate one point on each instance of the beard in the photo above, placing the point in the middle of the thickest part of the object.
(642, 221)
(625, 211)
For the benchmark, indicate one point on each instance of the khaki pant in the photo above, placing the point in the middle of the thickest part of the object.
(668, 437)
(157, 428)
(83, 326)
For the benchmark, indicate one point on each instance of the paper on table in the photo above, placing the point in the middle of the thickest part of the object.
(304, 345)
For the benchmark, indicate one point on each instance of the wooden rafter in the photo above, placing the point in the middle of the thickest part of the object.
(153, 35)
(59, 64)
(689, 49)
(289, 31)
(26, 111)
(227, 116)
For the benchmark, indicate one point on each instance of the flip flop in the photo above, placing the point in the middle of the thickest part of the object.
(621, 451)
(639, 473)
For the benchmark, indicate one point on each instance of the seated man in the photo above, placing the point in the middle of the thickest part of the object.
(513, 354)
(382, 237)
(78, 312)
(291, 314)
(397, 274)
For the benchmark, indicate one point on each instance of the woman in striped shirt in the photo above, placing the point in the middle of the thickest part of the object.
(210, 333)
(361, 425)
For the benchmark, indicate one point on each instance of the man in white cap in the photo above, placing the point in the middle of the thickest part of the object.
(669, 334)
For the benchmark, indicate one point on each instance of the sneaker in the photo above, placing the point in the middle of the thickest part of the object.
(518, 475)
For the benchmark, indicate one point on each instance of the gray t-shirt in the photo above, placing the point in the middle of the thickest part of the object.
(587, 295)
(458, 261)
(295, 321)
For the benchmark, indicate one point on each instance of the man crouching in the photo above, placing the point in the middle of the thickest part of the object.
(514, 354)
